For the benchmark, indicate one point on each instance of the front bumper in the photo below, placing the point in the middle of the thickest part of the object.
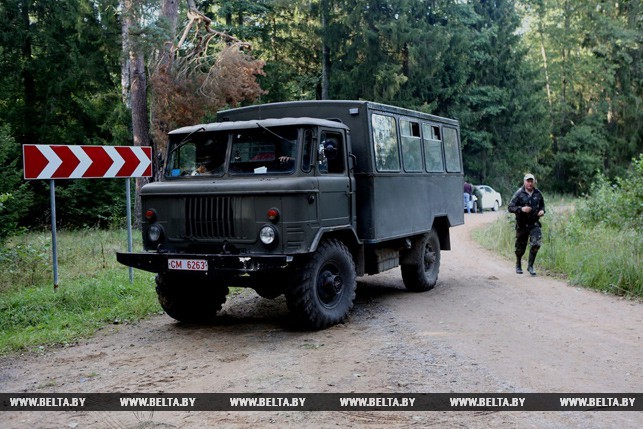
(230, 264)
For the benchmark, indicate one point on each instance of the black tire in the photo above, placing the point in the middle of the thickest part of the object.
(324, 292)
(496, 206)
(423, 274)
(187, 299)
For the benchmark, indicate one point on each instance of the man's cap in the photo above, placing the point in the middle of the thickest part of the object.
(529, 176)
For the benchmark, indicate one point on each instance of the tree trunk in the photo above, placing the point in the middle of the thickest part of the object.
(125, 79)
(138, 97)
(325, 77)
(140, 126)
(28, 136)
(170, 12)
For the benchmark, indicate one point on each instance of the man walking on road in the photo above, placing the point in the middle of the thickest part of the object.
(529, 206)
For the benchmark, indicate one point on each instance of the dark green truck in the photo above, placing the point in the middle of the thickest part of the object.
(300, 199)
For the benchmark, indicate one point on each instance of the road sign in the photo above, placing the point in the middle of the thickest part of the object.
(50, 162)
(86, 162)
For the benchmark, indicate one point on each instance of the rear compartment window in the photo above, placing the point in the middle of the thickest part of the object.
(434, 162)
(387, 156)
(452, 150)
(411, 146)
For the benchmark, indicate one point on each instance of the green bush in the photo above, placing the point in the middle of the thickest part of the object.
(618, 204)
(24, 263)
(597, 256)
(14, 194)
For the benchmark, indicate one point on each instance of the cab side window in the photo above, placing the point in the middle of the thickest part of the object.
(331, 153)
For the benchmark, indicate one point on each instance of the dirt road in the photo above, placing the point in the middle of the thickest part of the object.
(482, 329)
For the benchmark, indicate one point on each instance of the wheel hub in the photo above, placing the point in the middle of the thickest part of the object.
(330, 285)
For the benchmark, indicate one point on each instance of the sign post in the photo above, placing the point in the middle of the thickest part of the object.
(54, 242)
(50, 162)
(128, 197)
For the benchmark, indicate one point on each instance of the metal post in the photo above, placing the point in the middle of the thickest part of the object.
(129, 224)
(54, 244)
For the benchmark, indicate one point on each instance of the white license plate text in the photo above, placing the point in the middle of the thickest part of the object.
(187, 264)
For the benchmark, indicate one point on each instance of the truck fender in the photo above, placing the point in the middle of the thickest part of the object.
(345, 233)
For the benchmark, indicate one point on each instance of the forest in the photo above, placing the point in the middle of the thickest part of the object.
(553, 87)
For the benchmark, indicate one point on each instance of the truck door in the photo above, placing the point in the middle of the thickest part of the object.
(335, 185)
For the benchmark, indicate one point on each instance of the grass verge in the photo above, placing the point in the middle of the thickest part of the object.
(94, 289)
(599, 256)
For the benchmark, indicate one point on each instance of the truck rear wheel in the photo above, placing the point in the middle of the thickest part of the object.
(325, 289)
(423, 274)
(188, 299)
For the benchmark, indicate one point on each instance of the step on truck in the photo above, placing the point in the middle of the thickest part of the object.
(300, 199)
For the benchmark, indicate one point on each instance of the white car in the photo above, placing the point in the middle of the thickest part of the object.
(490, 198)
(473, 205)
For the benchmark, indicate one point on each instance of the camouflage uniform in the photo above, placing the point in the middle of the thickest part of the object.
(527, 224)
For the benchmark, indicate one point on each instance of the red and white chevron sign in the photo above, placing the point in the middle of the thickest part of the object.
(86, 162)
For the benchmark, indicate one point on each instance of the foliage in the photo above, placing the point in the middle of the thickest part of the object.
(590, 61)
(595, 257)
(59, 65)
(185, 91)
(501, 110)
(94, 289)
(581, 153)
(284, 34)
(25, 262)
(14, 200)
(616, 205)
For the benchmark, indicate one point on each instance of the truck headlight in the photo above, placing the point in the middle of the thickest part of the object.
(154, 232)
(268, 235)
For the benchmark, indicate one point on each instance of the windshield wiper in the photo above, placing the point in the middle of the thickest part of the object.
(184, 141)
(272, 132)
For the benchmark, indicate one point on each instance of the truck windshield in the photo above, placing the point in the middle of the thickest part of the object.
(197, 154)
(264, 150)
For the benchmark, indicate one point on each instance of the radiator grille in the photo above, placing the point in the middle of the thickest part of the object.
(210, 217)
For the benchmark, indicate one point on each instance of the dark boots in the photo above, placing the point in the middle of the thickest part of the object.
(530, 264)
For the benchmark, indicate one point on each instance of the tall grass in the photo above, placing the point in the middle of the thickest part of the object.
(597, 256)
(94, 289)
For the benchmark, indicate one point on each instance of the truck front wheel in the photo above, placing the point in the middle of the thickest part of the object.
(422, 275)
(188, 299)
(324, 292)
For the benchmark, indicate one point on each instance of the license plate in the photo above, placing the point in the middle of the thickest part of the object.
(187, 264)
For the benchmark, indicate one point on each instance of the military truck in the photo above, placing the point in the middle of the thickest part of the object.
(300, 199)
